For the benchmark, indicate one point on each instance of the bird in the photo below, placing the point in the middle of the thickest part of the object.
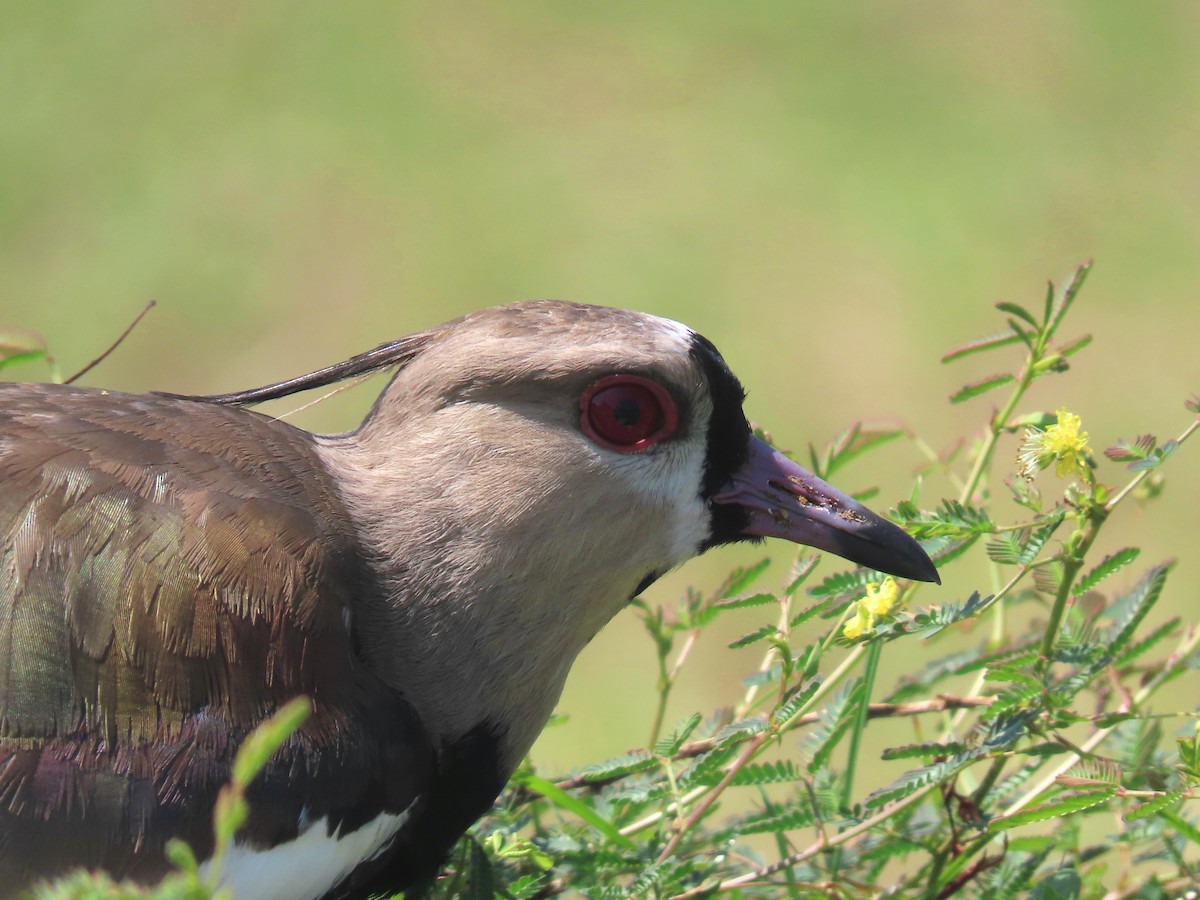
(173, 569)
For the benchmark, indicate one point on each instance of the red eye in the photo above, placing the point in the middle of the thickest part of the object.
(628, 413)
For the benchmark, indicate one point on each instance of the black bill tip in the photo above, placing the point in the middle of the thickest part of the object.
(783, 499)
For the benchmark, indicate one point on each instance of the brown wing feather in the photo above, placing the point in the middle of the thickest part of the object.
(170, 572)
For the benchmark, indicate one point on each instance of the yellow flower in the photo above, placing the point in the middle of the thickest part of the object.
(1068, 444)
(881, 597)
(1062, 443)
(881, 601)
(860, 622)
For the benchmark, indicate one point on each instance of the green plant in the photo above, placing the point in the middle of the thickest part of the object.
(1047, 774)
(1053, 727)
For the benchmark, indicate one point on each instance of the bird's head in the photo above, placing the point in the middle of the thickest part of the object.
(563, 420)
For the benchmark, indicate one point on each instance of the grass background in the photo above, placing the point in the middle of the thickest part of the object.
(833, 193)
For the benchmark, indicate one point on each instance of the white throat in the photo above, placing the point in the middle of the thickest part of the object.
(495, 592)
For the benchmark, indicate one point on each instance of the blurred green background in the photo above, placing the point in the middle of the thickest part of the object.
(834, 193)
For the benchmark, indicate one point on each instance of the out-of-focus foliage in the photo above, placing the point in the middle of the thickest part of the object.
(827, 191)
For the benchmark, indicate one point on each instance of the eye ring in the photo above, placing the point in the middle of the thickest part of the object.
(628, 413)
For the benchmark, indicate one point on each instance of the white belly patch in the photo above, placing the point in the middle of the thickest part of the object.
(307, 866)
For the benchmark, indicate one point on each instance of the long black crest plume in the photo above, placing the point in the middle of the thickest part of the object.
(393, 353)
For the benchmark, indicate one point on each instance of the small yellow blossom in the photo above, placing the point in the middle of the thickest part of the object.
(881, 601)
(857, 624)
(881, 597)
(1062, 443)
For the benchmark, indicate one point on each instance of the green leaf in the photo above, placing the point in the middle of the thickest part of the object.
(526, 887)
(1020, 312)
(1020, 548)
(180, 855)
(853, 443)
(928, 622)
(1134, 607)
(744, 601)
(739, 731)
(573, 805)
(919, 684)
(1181, 825)
(1153, 805)
(834, 720)
(925, 750)
(778, 772)
(1062, 884)
(1124, 451)
(809, 611)
(979, 345)
(1013, 676)
(845, 582)
(1142, 454)
(769, 822)
(1015, 699)
(917, 779)
(18, 346)
(801, 569)
(669, 745)
(740, 579)
(754, 637)
(1063, 805)
(1006, 547)
(953, 520)
(796, 701)
(975, 388)
(770, 675)
(1040, 535)
(1075, 346)
(16, 359)
(1042, 750)
(481, 883)
(1111, 564)
(1069, 293)
(1138, 648)
(619, 766)
(229, 814)
(263, 741)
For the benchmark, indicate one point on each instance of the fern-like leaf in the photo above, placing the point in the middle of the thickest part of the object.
(619, 766)
(982, 386)
(916, 779)
(1135, 607)
(796, 701)
(1139, 648)
(754, 636)
(779, 772)
(1063, 805)
(744, 601)
(1153, 805)
(669, 745)
(979, 345)
(925, 750)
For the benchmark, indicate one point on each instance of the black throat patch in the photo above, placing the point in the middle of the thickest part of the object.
(727, 442)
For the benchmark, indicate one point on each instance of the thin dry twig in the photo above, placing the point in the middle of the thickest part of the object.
(115, 344)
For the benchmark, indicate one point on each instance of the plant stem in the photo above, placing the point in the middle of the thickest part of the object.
(818, 846)
(666, 681)
(995, 427)
(860, 721)
(1168, 672)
